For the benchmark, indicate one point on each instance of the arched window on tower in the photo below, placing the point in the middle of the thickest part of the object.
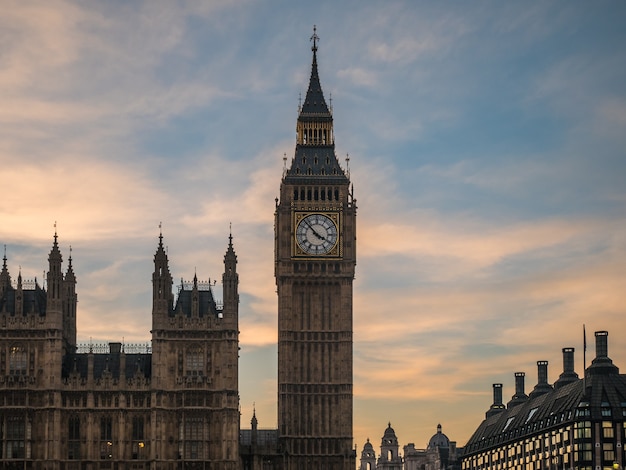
(18, 360)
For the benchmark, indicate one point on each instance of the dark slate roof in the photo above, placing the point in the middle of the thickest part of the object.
(315, 161)
(318, 161)
(206, 303)
(135, 363)
(34, 301)
(314, 106)
(603, 389)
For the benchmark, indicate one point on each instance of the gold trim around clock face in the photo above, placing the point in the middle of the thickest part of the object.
(316, 234)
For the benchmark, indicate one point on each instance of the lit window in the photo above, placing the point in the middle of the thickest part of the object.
(18, 360)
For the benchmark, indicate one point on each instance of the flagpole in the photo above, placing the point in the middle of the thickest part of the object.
(584, 357)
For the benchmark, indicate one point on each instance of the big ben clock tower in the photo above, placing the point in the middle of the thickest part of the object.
(315, 258)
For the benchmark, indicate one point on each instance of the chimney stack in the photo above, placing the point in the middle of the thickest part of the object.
(602, 364)
(497, 406)
(568, 374)
(519, 397)
(542, 386)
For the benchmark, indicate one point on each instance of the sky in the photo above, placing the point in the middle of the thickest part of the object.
(487, 147)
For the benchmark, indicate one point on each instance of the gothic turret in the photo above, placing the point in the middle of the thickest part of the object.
(55, 277)
(5, 278)
(230, 283)
(162, 297)
(69, 308)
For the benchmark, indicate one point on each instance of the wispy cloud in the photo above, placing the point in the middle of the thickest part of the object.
(486, 147)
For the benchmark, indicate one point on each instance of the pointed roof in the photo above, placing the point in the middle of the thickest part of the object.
(70, 270)
(314, 107)
(160, 254)
(55, 253)
(5, 277)
(315, 159)
(230, 251)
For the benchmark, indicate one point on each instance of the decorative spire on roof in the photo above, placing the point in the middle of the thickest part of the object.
(314, 102)
(230, 258)
(70, 270)
(315, 141)
(5, 277)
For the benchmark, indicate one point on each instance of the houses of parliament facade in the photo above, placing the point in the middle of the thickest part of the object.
(175, 403)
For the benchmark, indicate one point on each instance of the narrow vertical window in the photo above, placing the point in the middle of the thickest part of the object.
(138, 442)
(106, 437)
(73, 438)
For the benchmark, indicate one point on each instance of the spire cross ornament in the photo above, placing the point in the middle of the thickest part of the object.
(315, 38)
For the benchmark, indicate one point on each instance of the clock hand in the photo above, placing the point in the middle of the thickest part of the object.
(318, 235)
(315, 232)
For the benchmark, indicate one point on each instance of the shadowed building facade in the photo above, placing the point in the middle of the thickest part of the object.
(573, 424)
(315, 259)
(173, 405)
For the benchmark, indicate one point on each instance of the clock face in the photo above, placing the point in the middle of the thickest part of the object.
(316, 234)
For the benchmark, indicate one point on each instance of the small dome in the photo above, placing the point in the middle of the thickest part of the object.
(389, 438)
(368, 451)
(439, 440)
(389, 431)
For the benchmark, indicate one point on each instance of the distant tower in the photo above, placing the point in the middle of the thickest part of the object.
(315, 258)
(389, 457)
(368, 457)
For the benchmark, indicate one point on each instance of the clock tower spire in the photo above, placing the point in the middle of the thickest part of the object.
(315, 259)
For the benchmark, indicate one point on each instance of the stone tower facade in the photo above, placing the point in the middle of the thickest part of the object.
(195, 351)
(315, 259)
(173, 405)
